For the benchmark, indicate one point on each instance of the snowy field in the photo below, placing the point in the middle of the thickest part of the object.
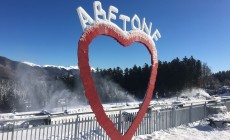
(199, 130)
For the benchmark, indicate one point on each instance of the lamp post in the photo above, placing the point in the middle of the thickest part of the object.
(126, 94)
(27, 104)
(62, 102)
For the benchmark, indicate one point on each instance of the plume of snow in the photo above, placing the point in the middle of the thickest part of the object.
(194, 92)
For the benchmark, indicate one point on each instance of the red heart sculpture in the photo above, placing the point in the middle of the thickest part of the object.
(124, 39)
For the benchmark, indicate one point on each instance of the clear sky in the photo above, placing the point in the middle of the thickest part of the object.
(47, 32)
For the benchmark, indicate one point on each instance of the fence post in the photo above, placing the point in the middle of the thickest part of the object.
(173, 117)
(190, 114)
(12, 136)
(154, 120)
(119, 122)
(150, 120)
(76, 124)
(157, 121)
(205, 109)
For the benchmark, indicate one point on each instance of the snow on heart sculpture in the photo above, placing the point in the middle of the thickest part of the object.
(140, 33)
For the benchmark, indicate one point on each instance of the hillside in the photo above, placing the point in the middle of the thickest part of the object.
(10, 69)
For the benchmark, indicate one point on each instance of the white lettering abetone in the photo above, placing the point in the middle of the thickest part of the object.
(100, 15)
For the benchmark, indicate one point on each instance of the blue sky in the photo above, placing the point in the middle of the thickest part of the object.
(47, 32)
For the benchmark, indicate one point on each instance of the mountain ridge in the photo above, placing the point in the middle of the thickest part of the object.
(11, 69)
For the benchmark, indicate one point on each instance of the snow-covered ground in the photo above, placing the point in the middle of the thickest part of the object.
(199, 130)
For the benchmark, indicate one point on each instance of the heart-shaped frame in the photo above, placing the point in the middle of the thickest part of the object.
(125, 39)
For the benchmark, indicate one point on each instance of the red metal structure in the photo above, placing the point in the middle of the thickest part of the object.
(125, 39)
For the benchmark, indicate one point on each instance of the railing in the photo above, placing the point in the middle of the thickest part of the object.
(84, 125)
